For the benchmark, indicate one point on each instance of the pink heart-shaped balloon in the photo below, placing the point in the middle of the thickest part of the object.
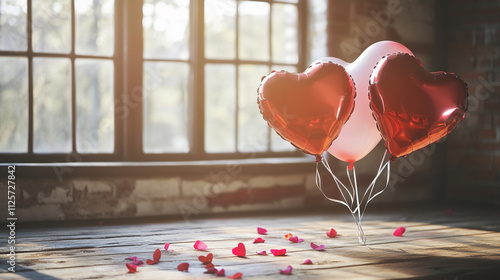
(413, 107)
(359, 135)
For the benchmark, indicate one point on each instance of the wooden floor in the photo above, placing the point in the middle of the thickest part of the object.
(437, 244)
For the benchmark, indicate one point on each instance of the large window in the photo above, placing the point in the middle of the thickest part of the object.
(104, 80)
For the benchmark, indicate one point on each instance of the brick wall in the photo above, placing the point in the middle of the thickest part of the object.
(474, 54)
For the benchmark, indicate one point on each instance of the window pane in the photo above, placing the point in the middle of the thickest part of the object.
(13, 104)
(220, 107)
(220, 29)
(51, 26)
(165, 104)
(94, 27)
(253, 30)
(94, 100)
(13, 25)
(285, 39)
(52, 105)
(166, 29)
(253, 132)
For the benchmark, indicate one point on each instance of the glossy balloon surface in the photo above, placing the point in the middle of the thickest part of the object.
(414, 108)
(310, 108)
(360, 135)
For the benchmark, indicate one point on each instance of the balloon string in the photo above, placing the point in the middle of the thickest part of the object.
(318, 184)
(339, 183)
(371, 187)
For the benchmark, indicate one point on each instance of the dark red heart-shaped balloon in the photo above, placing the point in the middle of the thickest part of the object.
(310, 108)
(414, 108)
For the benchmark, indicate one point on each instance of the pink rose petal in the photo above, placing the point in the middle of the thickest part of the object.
(278, 252)
(331, 233)
(199, 245)
(295, 239)
(307, 261)
(263, 253)
(132, 268)
(166, 246)
(236, 276)
(259, 240)
(399, 231)
(286, 271)
(183, 267)
(133, 258)
(261, 230)
(221, 272)
(240, 250)
(318, 247)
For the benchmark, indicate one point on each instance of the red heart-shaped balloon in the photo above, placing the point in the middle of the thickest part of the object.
(310, 108)
(414, 108)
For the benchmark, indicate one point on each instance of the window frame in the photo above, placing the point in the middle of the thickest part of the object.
(128, 80)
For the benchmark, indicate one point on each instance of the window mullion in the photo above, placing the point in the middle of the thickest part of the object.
(197, 55)
(73, 79)
(29, 31)
(131, 109)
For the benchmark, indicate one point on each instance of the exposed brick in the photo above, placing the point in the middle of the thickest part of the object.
(157, 188)
(92, 190)
(278, 180)
(52, 212)
(226, 199)
(57, 195)
(259, 195)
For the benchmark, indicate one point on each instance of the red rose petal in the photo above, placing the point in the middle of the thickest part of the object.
(259, 240)
(211, 270)
(151, 262)
(307, 261)
(236, 276)
(221, 272)
(131, 267)
(318, 247)
(278, 252)
(295, 239)
(287, 271)
(287, 236)
(206, 259)
(261, 230)
(399, 231)
(183, 267)
(199, 245)
(263, 253)
(240, 250)
(331, 233)
(157, 255)
(166, 246)
(209, 265)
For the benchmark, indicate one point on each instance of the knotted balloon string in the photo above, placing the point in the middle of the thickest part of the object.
(353, 194)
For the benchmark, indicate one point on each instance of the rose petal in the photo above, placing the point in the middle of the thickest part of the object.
(287, 236)
(236, 276)
(131, 267)
(278, 252)
(157, 255)
(259, 240)
(318, 247)
(166, 246)
(295, 239)
(221, 272)
(287, 271)
(331, 233)
(137, 262)
(199, 245)
(261, 230)
(151, 262)
(131, 258)
(211, 270)
(240, 250)
(183, 267)
(209, 265)
(399, 231)
(206, 259)
(263, 253)
(307, 261)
